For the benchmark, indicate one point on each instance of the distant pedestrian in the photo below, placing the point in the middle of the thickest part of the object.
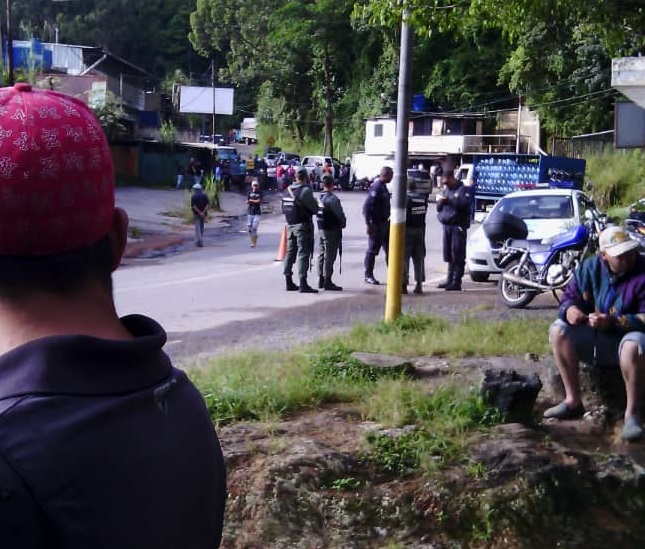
(199, 206)
(298, 206)
(331, 222)
(180, 170)
(453, 211)
(415, 239)
(254, 211)
(376, 210)
(218, 175)
(281, 176)
(194, 170)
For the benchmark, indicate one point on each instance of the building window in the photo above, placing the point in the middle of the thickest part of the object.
(378, 130)
(422, 126)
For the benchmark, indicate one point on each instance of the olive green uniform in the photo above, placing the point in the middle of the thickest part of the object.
(330, 231)
(300, 229)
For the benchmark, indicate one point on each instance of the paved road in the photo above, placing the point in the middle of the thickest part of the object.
(228, 295)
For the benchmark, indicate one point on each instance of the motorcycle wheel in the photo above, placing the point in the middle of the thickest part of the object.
(513, 295)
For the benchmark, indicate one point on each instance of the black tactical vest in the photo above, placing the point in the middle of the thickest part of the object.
(325, 218)
(293, 211)
(417, 208)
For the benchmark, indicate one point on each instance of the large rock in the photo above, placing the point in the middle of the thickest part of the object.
(511, 393)
(391, 365)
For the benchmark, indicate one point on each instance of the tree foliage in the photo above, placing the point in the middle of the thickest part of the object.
(312, 70)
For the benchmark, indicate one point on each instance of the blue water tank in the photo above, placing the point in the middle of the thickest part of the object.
(419, 103)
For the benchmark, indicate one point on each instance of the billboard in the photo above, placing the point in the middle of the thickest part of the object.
(197, 100)
(629, 122)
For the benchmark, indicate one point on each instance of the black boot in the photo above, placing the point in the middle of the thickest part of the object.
(455, 282)
(331, 287)
(321, 282)
(291, 287)
(305, 288)
(448, 280)
(370, 259)
(404, 289)
(418, 288)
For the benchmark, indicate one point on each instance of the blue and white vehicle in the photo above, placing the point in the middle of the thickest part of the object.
(546, 212)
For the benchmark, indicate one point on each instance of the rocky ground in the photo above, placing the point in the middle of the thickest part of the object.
(304, 482)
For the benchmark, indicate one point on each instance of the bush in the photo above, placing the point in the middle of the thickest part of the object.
(617, 177)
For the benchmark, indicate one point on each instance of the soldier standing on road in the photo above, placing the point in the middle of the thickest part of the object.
(415, 238)
(453, 212)
(298, 206)
(331, 222)
(199, 205)
(254, 201)
(376, 211)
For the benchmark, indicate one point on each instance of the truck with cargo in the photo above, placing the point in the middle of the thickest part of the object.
(495, 175)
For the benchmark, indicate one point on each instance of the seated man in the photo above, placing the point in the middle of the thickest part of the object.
(602, 320)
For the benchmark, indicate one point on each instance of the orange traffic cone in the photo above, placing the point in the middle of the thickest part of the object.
(282, 249)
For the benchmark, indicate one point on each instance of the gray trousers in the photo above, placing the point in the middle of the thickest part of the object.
(328, 244)
(300, 245)
(415, 249)
(199, 230)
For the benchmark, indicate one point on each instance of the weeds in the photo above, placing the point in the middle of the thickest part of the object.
(444, 420)
(269, 386)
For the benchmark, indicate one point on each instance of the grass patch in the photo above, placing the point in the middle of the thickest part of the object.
(444, 421)
(135, 232)
(265, 386)
(426, 335)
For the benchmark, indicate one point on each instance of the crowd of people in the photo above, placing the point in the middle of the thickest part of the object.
(300, 205)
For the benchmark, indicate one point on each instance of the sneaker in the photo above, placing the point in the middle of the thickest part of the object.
(632, 429)
(562, 411)
(371, 280)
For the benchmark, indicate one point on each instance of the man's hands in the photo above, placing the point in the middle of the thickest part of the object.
(575, 316)
(369, 230)
(599, 321)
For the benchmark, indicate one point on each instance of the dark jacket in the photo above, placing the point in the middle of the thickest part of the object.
(376, 208)
(455, 209)
(104, 444)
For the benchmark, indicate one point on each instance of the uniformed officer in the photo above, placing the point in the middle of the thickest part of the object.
(298, 206)
(376, 211)
(415, 238)
(453, 212)
(331, 222)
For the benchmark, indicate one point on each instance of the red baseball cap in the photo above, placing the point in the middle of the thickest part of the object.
(56, 173)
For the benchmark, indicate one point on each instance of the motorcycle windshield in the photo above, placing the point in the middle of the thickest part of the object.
(573, 237)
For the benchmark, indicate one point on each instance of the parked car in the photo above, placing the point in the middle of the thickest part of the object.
(546, 212)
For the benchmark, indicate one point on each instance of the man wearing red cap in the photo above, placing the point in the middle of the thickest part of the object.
(102, 441)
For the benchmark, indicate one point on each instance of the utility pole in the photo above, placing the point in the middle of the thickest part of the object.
(519, 125)
(9, 45)
(397, 214)
(213, 86)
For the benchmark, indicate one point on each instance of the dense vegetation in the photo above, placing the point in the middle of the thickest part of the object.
(313, 69)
